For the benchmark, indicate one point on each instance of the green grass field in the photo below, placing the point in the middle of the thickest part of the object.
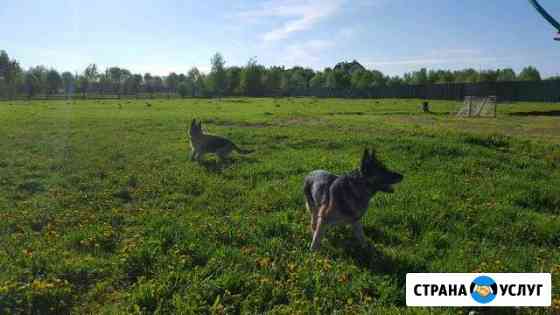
(101, 211)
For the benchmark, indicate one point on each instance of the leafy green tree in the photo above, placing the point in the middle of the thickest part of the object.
(349, 67)
(233, 81)
(54, 81)
(196, 79)
(297, 81)
(217, 77)
(273, 81)
(420, 77)
(251, 78)
(40, 75)
(362, 79)
(11, 75)
(157, 84)
(83, 85)
(529, 74)
(506, 75)
(68, 82)
(172, 80)
(91, 74)
(440, 76)
(148, 84)
(395, 81)
(341, 79)
(134, 84)
(488, 76)
(31, 84)
(318, 81)
(4, 64)
(88, 78)
(330, 79)
(377, 77)
(113, 76)
(104, 83)
(466, 76)
(183, 89)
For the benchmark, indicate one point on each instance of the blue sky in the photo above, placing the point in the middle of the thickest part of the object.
(394, 36)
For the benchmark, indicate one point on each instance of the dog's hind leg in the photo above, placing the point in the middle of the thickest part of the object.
(359, 232)
(223, 154)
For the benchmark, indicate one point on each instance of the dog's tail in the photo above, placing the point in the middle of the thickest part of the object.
(242, 151)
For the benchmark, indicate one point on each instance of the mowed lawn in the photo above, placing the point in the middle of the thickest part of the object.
(101, 210)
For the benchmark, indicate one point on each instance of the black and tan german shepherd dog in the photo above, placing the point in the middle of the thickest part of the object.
(202, 143)
(344, 199)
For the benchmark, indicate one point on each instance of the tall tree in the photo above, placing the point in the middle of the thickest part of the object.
(529, 74)
(361, 79)
(148, 84)
(297, 81)
(171, 81)
(10, 75)
(506, 75)
(217, 75)
(31, 84)
(251, 78)
(68, 83)
(54, 81)
(318, 81)
(233, 81)
(488, 76)
(196, 80)
(183, 89)
(157, 83)
(87, 79)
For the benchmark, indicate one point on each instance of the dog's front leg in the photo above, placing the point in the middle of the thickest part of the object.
(314, 216)
(317, 234)
(359, 232)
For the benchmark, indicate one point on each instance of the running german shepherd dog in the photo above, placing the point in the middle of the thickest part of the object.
(202, 144)
(344, 199)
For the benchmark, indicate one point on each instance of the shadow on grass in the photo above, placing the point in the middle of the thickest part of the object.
(217, 166)
(376, 260)
(552, 113)
(439, 113)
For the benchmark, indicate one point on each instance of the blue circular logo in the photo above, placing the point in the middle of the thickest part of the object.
(484, 289)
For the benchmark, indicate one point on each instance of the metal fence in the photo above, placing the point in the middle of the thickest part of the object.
(528, 91)
(522, 91)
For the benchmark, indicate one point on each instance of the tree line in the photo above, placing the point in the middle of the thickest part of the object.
(252, 79)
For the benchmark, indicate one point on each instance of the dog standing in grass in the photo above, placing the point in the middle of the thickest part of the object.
(344, 199)
(202, 144)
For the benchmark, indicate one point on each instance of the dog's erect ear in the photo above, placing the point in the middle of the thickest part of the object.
(365, 161)
(366, 155)
(372, 156)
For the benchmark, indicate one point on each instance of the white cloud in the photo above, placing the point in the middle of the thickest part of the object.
(301, 15)
(306, 53)
(469, 57)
